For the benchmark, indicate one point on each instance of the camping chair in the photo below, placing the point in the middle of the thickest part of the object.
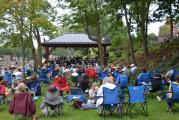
(43, 76)
(56, 110)
(22, 104)
(156, 86)
(123, 82)
(175, 95)
(111, 100)
(76, 95)
(62, 84)
(35, 87)
(137, 100)
(4, 97)
(2, 94)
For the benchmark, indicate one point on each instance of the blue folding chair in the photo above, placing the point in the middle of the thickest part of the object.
(175, 95)
(175, 73)
(76, 91)
(76, 96)
(8, 77)
(43, 76)
(137, 100)
(144, 77)
(111, 101)
(35, 87)
(123, 81)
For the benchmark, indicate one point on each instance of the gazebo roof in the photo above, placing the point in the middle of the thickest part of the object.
(73, 40)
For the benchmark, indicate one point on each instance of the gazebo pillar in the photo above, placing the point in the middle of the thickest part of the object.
(104, 54)
(47, 54)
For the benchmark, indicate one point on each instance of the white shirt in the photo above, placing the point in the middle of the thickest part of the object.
(133, 70)
(18, 75)
(100, 92)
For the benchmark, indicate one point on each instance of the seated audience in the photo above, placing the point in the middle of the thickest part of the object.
(52, 97)
(22, 102)
(108, 83)
(92, 94)
(169, 95)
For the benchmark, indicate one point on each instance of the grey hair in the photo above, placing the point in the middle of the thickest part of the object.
(107, 80)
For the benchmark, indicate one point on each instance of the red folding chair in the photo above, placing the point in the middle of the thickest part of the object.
(62, 84)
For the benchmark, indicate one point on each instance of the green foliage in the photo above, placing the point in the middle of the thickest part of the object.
(14, 52)
(164, 30)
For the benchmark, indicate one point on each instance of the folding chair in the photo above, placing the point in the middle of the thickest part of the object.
(123, 82)
(111, 101)
(62, 84)
(22, 104)
(35, 87)
(76, 95)
(76, 91)
(137, 100)
(175, 95)
(43, 76)
(56, 110)
(156, 86)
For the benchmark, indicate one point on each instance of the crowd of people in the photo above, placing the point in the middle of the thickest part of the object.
(61, 74)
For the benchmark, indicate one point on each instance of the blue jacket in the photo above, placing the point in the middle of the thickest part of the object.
(103, 74)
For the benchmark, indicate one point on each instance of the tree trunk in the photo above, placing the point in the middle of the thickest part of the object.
(129, 36)
(144, 17)
(137, 21)
(100, 48)
(171, 23)
(34, 57)
(39, 49)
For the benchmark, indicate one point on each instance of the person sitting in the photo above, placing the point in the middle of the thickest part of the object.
(52, 97)
(144, 77)
(156, 83)
(22, 102)
(92, 94)
(56, 72)
(4, 91)
(34, 86)
(18, 74)
(43, 76)
(61, 83)
(84, 82)
(108, 83)
(102, 74)
(7, 76)
(171, 75)
(169, 94)
(74, 78)
(122, 80)
(14, 85)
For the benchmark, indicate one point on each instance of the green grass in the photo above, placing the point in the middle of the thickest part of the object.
(157, 111)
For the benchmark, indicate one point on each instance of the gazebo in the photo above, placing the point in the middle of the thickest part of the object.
(80, 40)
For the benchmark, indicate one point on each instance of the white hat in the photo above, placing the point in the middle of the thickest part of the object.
(74, 74)
(132, 65)
(66, 70)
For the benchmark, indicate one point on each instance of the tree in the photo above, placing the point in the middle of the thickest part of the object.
(167, 9)
(24, 21)
(88, 15)
(118, 9)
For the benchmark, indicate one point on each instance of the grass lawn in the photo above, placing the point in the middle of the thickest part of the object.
(157, 111)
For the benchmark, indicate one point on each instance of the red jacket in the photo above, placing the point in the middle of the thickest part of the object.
(91, 73)
(22, 103)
